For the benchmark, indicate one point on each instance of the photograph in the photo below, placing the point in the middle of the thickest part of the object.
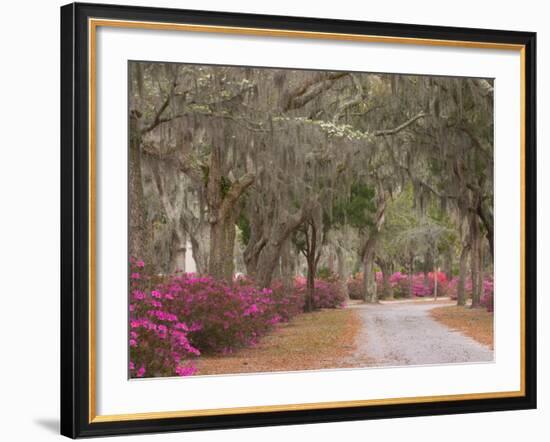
(284, 219)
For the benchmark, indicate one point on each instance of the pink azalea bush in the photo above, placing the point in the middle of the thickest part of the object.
(399, 284)
(158, 339)
(421, 285)
(453, 288)
(487, 297)
(327, 293)
(224, 316)
(289, 303)
(175, 320)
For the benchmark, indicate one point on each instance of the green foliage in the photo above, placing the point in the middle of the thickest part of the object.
(407, 232)
(324, 273)
(358, 209)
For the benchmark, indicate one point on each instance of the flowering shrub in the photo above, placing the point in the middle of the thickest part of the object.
(327, 293)
(486, 297)
(289, 303)
(452, 288)
(159, 344)
(399, 284)
(224, 316)
(182, 316)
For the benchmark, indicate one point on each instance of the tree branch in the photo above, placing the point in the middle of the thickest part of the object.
(234, 193)
(399, 128)
(312, 88)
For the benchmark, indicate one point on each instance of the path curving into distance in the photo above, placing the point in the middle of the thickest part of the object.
(404, 333)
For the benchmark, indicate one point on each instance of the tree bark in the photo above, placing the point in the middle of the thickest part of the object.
(474, 261)
(222, 241)
(368, 249)
(462, 273)
(487, 221)
(369, 281)
(427, 266)
(310, 252)
(139, 229)
(287, 265)
(411, 270)
(222, 214)
(271, 251)
(387, 292)
(342, 270)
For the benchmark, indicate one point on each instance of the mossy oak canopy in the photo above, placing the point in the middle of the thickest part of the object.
(271, 172)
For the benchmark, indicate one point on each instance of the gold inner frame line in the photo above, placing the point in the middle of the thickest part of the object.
(93, 24)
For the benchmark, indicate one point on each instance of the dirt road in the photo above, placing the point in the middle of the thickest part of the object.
(404, 333)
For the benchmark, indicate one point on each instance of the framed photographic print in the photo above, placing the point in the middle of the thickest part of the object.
(279, 220)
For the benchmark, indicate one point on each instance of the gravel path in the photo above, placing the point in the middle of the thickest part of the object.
(404, 333)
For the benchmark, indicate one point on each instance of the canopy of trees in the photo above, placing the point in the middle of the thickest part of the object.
(279, 172)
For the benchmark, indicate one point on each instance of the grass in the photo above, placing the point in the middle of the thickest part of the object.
(476, 323)
(322, 339)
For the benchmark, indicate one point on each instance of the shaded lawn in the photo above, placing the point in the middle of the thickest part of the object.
(322, 339)
(476, 323)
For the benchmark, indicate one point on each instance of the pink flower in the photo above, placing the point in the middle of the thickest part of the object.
(140, 264)
(188, 370)
(135, 275)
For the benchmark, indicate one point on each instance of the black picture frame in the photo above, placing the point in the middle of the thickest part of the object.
(75, 221)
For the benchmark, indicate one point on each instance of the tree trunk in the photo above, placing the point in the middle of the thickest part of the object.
(287, 266)
(387, 292)
(368, 249)
(222, 242)
(271, 251)
(311, 258)
(369, 281)
(474, 261)
(411, 269)
(310, 287)
(251, 255)
(427, 264)
(139, 230)
(330, 260)
(222, 203)
(461, 293)
(229, 248)
(487, 220)
(342, 270)
(481, 275)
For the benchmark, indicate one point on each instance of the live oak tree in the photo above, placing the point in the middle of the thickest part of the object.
(296, 161)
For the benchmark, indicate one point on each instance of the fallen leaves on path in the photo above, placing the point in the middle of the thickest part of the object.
(318, 340)
(476, 323)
